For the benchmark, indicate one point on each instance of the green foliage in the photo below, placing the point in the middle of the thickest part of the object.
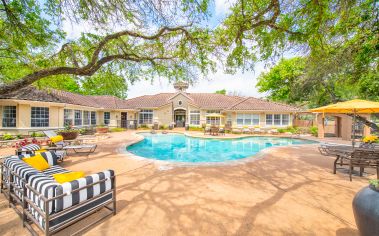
(283, 81)
(163, 127)
(8, 137)
(222, 91)
(32, 39)
(340, 41)
(314, 131)
(195, 128)
(374, 183)
(36, 134)
(117, 129)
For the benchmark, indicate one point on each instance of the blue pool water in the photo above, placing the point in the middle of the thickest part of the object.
(181, 148)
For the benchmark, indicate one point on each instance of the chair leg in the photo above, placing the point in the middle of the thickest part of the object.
(335, 165)
(350, 171)
(377, 172)
(361, 169)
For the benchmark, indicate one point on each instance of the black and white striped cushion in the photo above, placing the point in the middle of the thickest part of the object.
(82, 195)
(22, 169)
(31, 147)
(50, 157)
(55, 170)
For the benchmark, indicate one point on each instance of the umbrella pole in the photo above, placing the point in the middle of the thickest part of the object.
(354, 121)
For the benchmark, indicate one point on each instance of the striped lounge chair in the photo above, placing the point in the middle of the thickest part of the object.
(62, 145)
(52, 206)
(31, 149)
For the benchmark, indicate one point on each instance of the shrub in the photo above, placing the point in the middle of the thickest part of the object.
(282, 130)
(19, 136)
(313, 130)
(163, 127)
(144, 126)
(8, 137)
(195, 128)
(37, 134)
(117, 129)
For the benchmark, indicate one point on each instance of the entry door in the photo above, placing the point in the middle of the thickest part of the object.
(124, 119)
(180, 119)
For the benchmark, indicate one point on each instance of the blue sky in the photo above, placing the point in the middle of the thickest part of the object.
(239, 83)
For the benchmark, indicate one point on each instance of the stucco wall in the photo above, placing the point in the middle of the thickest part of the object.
(163, 115)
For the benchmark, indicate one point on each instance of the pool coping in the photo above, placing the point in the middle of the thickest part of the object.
(166, 165)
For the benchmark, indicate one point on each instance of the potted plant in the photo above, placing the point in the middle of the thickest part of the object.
(369, 141)
(102, 129)
(68, 133)
(366, 209)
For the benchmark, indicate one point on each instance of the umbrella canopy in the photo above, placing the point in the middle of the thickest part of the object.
(352, 106)
(215, 115)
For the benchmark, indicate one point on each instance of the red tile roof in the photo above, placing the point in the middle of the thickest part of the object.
(202, 100)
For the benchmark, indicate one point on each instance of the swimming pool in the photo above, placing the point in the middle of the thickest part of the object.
(180, 148)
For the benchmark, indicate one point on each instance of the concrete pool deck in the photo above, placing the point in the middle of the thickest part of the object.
(290, 191)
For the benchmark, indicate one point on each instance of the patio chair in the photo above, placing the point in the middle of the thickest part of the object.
(214, 130)
(207, 128)
(221, 130)
(246, 130)
(62, 145)
(228, 128)
(257, 131)
(363, 158)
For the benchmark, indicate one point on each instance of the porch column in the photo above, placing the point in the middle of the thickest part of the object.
(320, 126)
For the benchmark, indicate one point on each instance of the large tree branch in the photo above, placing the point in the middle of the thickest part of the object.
(96, 62)
(364, 120)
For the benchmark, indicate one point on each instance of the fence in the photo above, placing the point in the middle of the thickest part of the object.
(303, 123)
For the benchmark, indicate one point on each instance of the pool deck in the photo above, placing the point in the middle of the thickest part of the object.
(289, 191)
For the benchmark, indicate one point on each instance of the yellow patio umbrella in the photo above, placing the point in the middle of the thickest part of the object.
(215, 115)
(355, 106)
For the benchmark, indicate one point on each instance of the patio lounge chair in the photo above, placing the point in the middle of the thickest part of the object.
(257, 131)
(246, 130)
(31, 149)
(84, 148)
(363, 158)
(50, 205)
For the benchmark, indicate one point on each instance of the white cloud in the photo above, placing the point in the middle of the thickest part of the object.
(222, 7)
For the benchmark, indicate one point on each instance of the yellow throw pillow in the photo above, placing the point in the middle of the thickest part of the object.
(67, 177)
(56, 139)
(37, 162)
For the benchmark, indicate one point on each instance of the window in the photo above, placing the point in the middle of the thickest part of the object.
(269, 119)
(240, 119)
(78, 117)
(213, 111)
(213, 120)
(146, 117)
(86, 118)
(67, 117)
(180, 103)
(107, 117)
(277, 119)
(195, 117)
(40, 117)
(247, 119)
(93, 117)
(9, 116)
(285, 119)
